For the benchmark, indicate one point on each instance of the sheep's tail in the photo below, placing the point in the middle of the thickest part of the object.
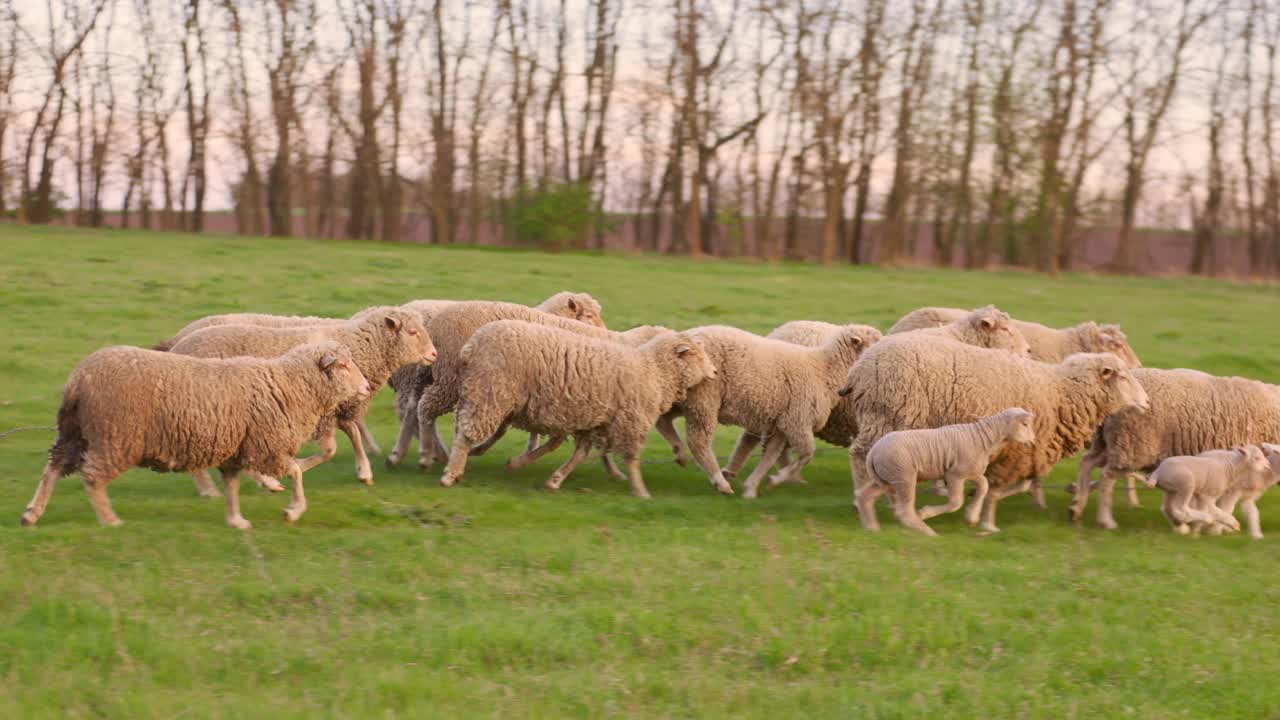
(68, 449)
(1151, 479)
(164, 345)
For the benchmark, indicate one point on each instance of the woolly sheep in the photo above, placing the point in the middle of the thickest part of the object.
(1191, 412)
(770, 388)
(983, 327)
(451, 329)
(1246, 493)
(954, 453)
(1047, 344)
(381, 340)
(1193, 485)
(921, 382)
(545, 379)
(124, 407)
(405, 382)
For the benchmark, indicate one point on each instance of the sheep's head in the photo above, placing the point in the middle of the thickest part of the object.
(1108, 339)
(848, 344)
(691, 358)
(406, 336)
(990, 328)
(1120, 387)
(1273, 458)
(848, 384)
(1022, 426)
(339, 370)
(1253, 460)
(575, 306)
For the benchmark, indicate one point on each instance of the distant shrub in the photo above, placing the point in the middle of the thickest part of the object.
(557, 217)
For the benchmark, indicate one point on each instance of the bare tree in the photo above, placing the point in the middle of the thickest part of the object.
(250, 210)
(198, 87)
(1207, 221)
(9, 22)
(289, 26)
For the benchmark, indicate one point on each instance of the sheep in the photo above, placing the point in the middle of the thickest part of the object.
(769, 388)
(983, 327)
(405, 382)
(545, 379)
(922, 382)
(1191, 412)
(381, 339)
(259, 319)
(1247, 493)
(954, 453)
(1047, 344)
(450, 329)
(124, 407)
(1193, 485)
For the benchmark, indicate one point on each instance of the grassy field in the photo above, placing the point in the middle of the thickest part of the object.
(496, 598)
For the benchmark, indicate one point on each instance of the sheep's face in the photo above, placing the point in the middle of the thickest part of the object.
(409, 339)
(584, 309)
(1254, 460)
(1123, 388)
(1109, 339)
(346, 379)
(1273, 458)
(995, 330)
(1024, 429)
(848, 384)
(695, 365)
(853, 340)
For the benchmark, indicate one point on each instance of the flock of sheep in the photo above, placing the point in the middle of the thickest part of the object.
(950, 396)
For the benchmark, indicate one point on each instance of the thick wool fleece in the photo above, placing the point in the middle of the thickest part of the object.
(1191, 412)
(955, 453)
(984, 327)
(381, 340)
(453, 327)
(548, 380)
(1047, 344)
(259, 319)
(922, 382)
(769, 388)
(124, 407)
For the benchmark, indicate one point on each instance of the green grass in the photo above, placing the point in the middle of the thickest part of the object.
(495, 598)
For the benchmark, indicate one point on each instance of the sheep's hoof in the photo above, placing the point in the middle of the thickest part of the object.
(729, 474)
(210, 493)
(984, 530)
(749, 494)
(271, 485)
(392, 460)
(239, 523)
(291, 516)
(114, 522)
(1108, 524)
(725, 489)
(682, 460)
(642, 496)
(1255, 537)
(447, 481)
(551, 485)
(28, 519)
(366, 480)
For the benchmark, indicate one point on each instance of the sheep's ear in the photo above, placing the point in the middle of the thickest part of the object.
(573, 305)
(683, 348)
(1107, 372)
(988, 322)
(393, 324)
(327, 361)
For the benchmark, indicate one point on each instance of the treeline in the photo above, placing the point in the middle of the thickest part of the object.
(993, 131)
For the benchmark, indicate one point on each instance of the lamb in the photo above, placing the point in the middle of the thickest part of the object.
(381, 340)
(548, 380)
(1193, 485)
(1047, 344)
(405, 382)
(769, 388)
(954, 453)
(1247, 493)
(451, 329)
(984, 327)
(1191, 412)
(922, 382)
(124, 407)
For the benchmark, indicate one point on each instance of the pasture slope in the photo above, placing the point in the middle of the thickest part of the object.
(496, 598)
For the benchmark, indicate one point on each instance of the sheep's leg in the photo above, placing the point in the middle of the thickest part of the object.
(1131, 489)
(747, 443)
(490, 441)
(1222, 517)
(981, 487)
(805, 447)
(328, 448)
(1037, 494)
(408, 429)
(232, 482)
(1083, 484)
(865, 490)
(580, 449)
(1106, 490)
(266, 482)
(955, 498)
(48, 479)
(637, 481)
(204, 484)
(1175, 522)
(532, 442)
(95, 485)
(298, 503)
(904, 505)
(431, 405)
(366, 436)
(666, 426)
(994, 496)
(364, 471)
(772, 449)
(1249, 508)
(699, 429)
(609, 466)
(533, 455)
